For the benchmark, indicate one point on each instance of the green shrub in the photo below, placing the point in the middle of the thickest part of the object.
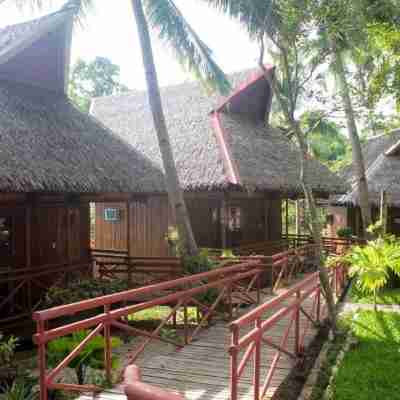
(197, 264)
(372, 265)
(82, 290)
(20, 390)
(91, 356)
(344, 233)
(7, 349)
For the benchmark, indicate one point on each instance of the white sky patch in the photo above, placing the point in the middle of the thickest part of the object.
(110, 31)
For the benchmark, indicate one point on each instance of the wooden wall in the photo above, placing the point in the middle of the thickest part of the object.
(150, 218)
(41, 231)
(45, 232)
(113, 234)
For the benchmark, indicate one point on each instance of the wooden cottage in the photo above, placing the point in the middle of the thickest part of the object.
(234, 169)
(382, 162)
(54, 160)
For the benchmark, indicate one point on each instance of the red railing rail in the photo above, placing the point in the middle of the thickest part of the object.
(303, 305)
(22, 289)
(138, 271)
(288, 264)
(236, 284)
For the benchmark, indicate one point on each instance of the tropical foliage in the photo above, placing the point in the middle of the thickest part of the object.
(7, 349)
(96, 78)
(91, 356)
(373, 265)
(20, 390)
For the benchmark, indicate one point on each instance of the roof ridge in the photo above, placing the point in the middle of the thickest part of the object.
(41, 24)
(63, 9)
(226, 152)
(193, 82)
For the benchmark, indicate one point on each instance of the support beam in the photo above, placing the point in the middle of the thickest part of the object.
(224, 223)
(287, 216)
(298, 217)
(128, 227)
(267, 206)
(383, 211)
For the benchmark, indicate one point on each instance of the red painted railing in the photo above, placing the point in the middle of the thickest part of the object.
(22, 289)
(139, 271)
(302, 305)
(235, 285)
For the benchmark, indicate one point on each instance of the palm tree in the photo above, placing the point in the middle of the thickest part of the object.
(282, 25)
(194, 55)
(358, 157)
(340, 26)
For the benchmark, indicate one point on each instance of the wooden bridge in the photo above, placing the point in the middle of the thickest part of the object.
(224, 361)
(201, 370)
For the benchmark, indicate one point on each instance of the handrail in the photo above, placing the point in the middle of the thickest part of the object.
(235, 284)
(227, 280)
(129, 295)
(259, 311)
(294, 303)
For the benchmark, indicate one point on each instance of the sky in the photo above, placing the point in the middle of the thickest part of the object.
(110, 32)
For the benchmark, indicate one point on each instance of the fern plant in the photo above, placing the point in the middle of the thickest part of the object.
(372, 265)
(20, 390)
(91, 356)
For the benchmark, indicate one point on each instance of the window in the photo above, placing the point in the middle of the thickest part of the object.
(234, 218)
(5, 235)
(112, 214)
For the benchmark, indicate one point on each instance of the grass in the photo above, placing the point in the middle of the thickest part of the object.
(326, 370)
(160, 312)
(385, 296)
(369, 371)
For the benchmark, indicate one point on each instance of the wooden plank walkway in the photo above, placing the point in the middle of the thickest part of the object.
(200, 370)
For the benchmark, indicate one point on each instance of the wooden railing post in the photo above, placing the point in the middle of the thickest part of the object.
(42, 361)
(257, 360)
(107, 347)
(258, 283)
(318, 304)
(230, 306)
(297, 325)
(185, 322)
(130, 266)
(234, 363)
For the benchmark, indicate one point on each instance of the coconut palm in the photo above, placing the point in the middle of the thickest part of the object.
(195, 56)
(283, 25)
(340, 28)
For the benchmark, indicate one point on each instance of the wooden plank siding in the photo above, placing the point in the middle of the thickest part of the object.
(112, 233)
(46, 232)
(150, 218)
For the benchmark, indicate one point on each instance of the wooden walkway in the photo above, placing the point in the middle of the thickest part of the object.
(200, 370)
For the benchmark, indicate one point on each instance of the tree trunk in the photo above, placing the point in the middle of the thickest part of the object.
(315, 228)
(175, 193)
(358, 159)
(310, 201)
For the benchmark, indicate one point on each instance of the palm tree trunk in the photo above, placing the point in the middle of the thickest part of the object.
(358, 159)
(175, 193)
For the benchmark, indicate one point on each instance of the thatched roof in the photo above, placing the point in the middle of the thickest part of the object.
(26, 33)
(240, 153)
(382, 161)
(46, 144)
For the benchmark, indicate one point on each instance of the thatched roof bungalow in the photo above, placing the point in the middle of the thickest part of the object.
(234, 169)
(53, 161)
(382, 161)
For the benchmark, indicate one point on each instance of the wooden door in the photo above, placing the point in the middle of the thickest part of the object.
(49, 237)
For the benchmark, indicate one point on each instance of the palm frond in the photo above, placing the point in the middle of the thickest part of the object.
(256, 16)
(191, 51)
